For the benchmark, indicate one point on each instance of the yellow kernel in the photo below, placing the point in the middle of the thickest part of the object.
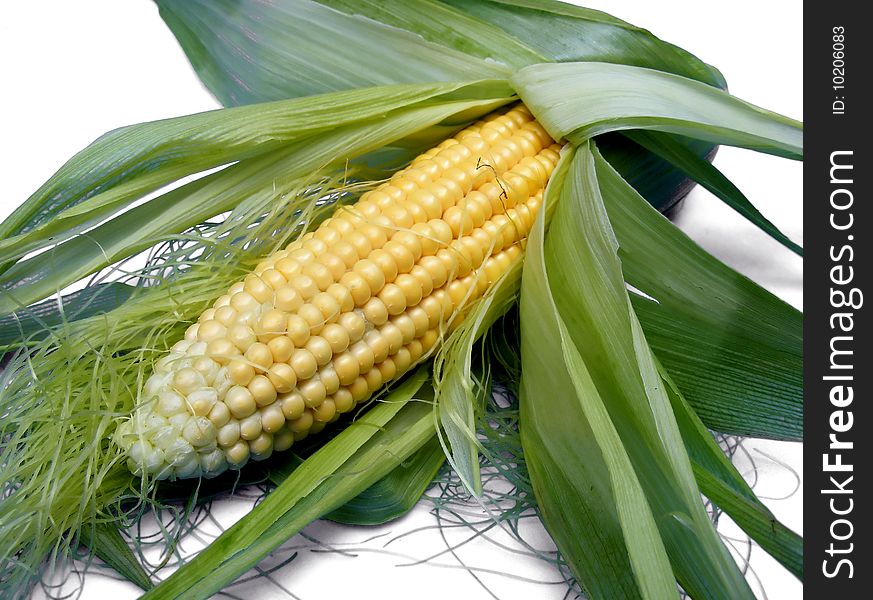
(347, 367)
(329, 378)
(220, 414)
(305, 286)
(334, 265)
(250, 427)
(303, 363)
(345, 252)
(429, 203)
(211, 330)
(274, 279)
(236, 288)
(288, 267)
(226, 315)
(374, 379)
(301, 255)
(280, 349)
(342, 295)
(388, 369)
(410, 287)
(450, 261)
(392, 336)
(240, 402)
(371, 272)
(191, 332)
(272, 418)
(458, 292)
(420, 319)
(243, 302)
(359, 389)
(298, 330)
(398, 215)
(460, 220)
(262, 446)
(394, 298)
(292, 405)
(415, 350)
(376, 234)
(320, 349)
(386, 263)
(240, 372)
(302, 423)
(403, 256)
(433, 309)
(314, 244)
(259, 354)
(441, 232)
(402, 360)
(357, 286)
(221, 350)
(202, 401)
(283, 377)
(263, 390)
(325, 411)
(259, 290)
(283, 439)
(343, 401)
(406, 327)
(313, 392)
(436, 270)
(228, 434)
(459, 176)
(288, 299)
(327, 305)
(207, 315)
(363, 354)
(187, 380)
(378, 344)
(473, 250)
(337, 336)
(238, 454)
(313, 317)
(169, 404)
(272, 323)
(375, 311)
(429, 339)
(360, 243)
(354, 324)
(423, 278)
(424, 234)
(320, 274)
(242, 336)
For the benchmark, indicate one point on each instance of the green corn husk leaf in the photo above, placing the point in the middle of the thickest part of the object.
(126, 164)
(603, 343)
(397, 493)
(222, 45)
(588, 494)
(35, 322)
(734, 349)
(657, 180)
(225, 42)
(137, 229)
(107, 543)
(719, 480)
(676, 151)
(358, 457)
(460, 397)
(577, 101)
(389, 498)
(578, 34)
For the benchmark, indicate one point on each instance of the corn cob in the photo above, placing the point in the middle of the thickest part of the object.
(318, 327)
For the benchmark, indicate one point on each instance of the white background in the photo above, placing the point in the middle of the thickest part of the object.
(72, 71)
